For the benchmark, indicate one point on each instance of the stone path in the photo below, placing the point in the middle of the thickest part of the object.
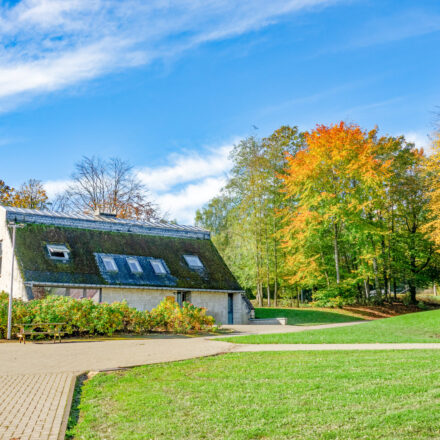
(35, 406)
(37, 379)
(241, 348)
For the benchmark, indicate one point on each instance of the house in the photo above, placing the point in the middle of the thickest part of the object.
(109, 259)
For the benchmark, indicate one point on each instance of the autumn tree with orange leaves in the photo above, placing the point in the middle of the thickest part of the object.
(30, 195)
(348, 225)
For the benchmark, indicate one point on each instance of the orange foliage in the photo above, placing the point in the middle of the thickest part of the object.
(329, 182)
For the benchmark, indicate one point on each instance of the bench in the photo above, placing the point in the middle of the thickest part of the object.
(44, 328)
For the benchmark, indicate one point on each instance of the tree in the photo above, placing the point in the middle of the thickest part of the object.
(6, 193)
(30, 195)
(244, 218)
(330, 182)
(107, 186)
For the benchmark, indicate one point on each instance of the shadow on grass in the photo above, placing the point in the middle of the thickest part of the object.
(74, 409)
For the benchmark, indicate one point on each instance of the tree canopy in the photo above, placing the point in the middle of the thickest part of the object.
(338, 212)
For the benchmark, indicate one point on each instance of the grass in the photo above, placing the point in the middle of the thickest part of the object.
(279, 395)
(306, 316)
(413, 327)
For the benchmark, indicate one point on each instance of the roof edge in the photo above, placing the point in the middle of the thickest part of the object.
(82, 221)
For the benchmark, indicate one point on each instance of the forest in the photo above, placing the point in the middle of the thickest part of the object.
(337, 215)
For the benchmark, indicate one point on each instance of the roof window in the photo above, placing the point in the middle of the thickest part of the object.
(193, 261)
(58, 252)
(134, 265)
(158, 267)
(109, 264)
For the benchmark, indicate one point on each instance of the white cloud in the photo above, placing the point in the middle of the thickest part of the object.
(187, 167)
(421, 140)
(182, 204)
(189, 181)
(55, 187)
(51, 44)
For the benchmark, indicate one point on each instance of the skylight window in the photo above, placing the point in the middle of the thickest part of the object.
(134, 265)
(193, 261)
(158, 267)
(109, 264)
(58, 251)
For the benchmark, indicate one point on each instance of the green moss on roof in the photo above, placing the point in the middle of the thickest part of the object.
(36, 265)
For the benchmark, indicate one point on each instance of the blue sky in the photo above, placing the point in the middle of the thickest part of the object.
(171, 85)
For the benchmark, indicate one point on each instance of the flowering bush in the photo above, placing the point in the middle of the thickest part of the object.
(84, 317)
(169, 316)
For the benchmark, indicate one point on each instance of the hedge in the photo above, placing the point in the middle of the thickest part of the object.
(85, 317)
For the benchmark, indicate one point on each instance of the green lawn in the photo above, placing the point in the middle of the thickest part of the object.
(414, 327)
(306, 316)
(277, 395)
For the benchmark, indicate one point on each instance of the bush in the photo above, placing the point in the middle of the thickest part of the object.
(84, 317)
(168, 316)
(337, 295)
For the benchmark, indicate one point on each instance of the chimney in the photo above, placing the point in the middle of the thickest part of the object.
(99, 213)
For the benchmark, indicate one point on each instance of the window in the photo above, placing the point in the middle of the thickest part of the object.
(158, 267)
(109, 264)
(193, 261)
(134, 265)
(58, 251)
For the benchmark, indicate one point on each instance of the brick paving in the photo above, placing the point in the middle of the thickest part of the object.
(35, 406)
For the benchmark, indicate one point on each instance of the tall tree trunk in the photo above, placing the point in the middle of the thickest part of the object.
(325, 271)
(394, 289)
(336, 250)
(267, 268)
(412, 291)
(260, 294)
(412, 279)
(385, 270)
(367, 288)
(275, 284)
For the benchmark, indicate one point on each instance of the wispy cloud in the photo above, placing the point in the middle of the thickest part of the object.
(50, 44)
(188, 181)
(184, 168)
(182, 204)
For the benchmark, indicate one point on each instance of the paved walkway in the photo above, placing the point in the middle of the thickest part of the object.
(319, 347)
(35, 406)
(265, 329)
(36, 379)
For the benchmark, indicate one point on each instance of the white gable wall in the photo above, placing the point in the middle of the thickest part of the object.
(5, 275)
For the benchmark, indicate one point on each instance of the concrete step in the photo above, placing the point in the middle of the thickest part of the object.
(268, 321)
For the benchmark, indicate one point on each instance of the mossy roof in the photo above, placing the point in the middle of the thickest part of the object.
(86, 246)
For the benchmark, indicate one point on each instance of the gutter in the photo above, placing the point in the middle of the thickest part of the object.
(113, 286)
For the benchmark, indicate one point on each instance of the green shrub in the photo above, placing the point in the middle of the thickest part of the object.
(337, 295)
(84, 317)
(406, 299)
(422, 306)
